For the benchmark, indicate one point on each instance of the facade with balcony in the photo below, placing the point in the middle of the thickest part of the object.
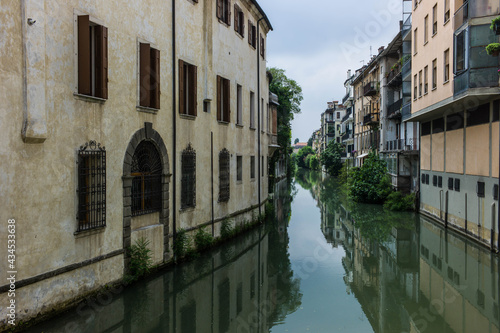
(455, 97)
(331, 124)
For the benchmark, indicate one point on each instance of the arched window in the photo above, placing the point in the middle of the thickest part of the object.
(188, 181)
(146, 185)
(224, 167)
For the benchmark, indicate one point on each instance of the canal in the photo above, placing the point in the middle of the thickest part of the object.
(323, 265)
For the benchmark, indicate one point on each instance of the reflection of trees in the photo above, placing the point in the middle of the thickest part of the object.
(286, 296)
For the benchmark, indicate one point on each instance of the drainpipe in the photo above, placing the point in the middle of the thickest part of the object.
(258, 115)
(498, 215)
(174, 130)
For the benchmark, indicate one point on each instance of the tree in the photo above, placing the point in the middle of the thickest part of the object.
(313, 162)
(302, 155)
(370, 183)
(331, 158)
(289, 97)
(310, 141)
(296, 141)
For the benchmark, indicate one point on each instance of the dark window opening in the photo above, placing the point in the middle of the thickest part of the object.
(252, 167)
(426, 128)
(437, 125)
(479, 115)
(440, 181)
(457, 184)
(224, 175)
(454, 121)
(188, 89)
(252, 34)
(146, 185)
(239, 168)
(223, 100)
(495, 192)
(450, 183)
(239, 20)
(434, 180)
(188, 180)
(149, 69)
(480, 189)
(91, 186)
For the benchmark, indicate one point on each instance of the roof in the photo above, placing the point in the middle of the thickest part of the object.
(264, 16)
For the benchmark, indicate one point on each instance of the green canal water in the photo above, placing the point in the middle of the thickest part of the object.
(324, 265)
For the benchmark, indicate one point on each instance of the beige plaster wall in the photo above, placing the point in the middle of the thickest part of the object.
(455, 151)
(438, 152)
(476, 148)
(425, 152)
(494, 149)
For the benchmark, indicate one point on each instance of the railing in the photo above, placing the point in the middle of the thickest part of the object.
(394, 109)
(346, 97)
(370, 118)
(394, 79)
(461, 16)
(370, 89)
(395, 144)
(411, 144)
(461, 82)
(406, 111)
(406, 27)
(485, 77)
(348, 114)
(406, 70)
(347, 135)
(474, 9)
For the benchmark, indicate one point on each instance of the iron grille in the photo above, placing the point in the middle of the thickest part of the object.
(91, 186)
(146, 185)
(188, 181)
(224, 175)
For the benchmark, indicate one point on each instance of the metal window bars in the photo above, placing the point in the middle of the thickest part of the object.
(224, 175)
(188, 180)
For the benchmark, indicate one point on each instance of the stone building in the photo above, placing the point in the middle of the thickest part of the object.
(122, 122)
(455, 98)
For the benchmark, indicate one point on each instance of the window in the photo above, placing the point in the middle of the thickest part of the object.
(262, 46)
(239, 168)
(262, 120)
(146, 184)
(252, 34)
(239, 20)
(188, 180)
(446, 10)
(434, 74)
(460, 52)
(434, 20)
(91, 186)
(188, 89)
(440, 181)
(450, 183)
(495, 192)
(252, 167)
(426, 29)
(457, 184)
(446, 65)
(224, 175)
(239, 298)
(239, 106)
(415, 40)
(223, 99)
(262, 167)
(426, 79)
(224, 290)
(252, 110)
(420, 84)
(415, 87)
(480, 189)
(92, 58)
(224, 11)
(149, 69)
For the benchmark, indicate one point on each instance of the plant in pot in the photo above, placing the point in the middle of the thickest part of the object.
(495, 25)
(493, 49)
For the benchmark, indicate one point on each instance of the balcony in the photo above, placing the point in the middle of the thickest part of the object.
(406, 111)
(347, 135)
(476, 78)
(370, 89)
(406, 29)
(371, 119)
(411, 145)
(394, 79)
(346, 97)
(394, 110)
(346, 117)
(406, 69)
(395, 144)
(474, 9)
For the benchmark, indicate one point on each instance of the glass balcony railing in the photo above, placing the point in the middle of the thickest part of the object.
(474, 9)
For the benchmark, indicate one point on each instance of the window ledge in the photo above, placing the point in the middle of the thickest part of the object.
(239, 126)
(426, 93)
(253, 128)
(91, 99)
(239, 182)
(239, 35)
(187, 209)
(427, 42)
(435, 88)
(187, 116)
(445, 82)
(221, 21)
(146, 109)
(222, 122)
(88, 232)
(434, 34)
(446, 22)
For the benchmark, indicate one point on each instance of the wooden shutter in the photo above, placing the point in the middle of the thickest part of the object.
(219, 9)
(242, 22)
(227, 100)
(193, 102)
(236, 18)
(101, 66)
(155, 78)
(219, 102)
(254, 36)
(145, 74)
(228, 12)
(84, 86)
(249, 32)
(182, 96)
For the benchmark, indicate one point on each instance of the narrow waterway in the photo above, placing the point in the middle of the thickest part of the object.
(324, 265)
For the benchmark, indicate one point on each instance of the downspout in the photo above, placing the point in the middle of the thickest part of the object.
(174, 130)
(258, 115)
(498, 215)
(212, 177)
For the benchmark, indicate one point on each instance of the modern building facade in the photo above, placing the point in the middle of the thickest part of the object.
(123, 122)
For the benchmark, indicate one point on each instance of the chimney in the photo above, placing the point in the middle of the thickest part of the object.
(348, 73)
(380, 49)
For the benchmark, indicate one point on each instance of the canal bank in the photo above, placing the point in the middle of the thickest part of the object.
(323, 265)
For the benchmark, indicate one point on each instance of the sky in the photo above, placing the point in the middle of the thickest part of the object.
(317, 41)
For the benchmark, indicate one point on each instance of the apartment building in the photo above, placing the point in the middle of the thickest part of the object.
(122, 122)
(347, 122)
(455, 98)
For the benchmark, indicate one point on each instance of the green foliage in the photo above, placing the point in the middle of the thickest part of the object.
(140, 259)
(313, 162)
(302, 155)
(203, 239)
(331, 158)
(225, 229)
(492, 48)
(398, 202)
(296, 141)
(181, 243)
(370, 183)
(495, 21)
(269, 210)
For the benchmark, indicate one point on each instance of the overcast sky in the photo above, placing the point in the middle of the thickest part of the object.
(317, 41)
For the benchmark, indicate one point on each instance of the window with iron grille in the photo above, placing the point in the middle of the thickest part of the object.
(91, 186)
(146, 185)
(188, 181)
(252, 167)
(239, 168)
(224, 175)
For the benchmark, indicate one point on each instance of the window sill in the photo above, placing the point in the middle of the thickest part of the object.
(434, 34)
(446, 22)
(89, 232)
(433, 89)
(146, 109)
(186, 209)
(252, 128)
(239, 126)
(239, 35)
(239, 182)
(415, 54)
(252, 180)
(427, 42)
(426, 93)
(187, 116)
(222, 122)
(221, 21)
(91, 99)
(445, 82)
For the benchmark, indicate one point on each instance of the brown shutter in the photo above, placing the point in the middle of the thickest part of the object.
(155, 78)
(219, 9)
(254, 36)
(227, 101)
(84, 86)
(236, 18)
(249, 32)
(242, 20)
(182, 96)
(228, 12)
(101, 70)
(145, 74)
(194, 90)
(219, 102)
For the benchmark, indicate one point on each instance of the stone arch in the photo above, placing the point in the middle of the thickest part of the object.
(145, 134)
